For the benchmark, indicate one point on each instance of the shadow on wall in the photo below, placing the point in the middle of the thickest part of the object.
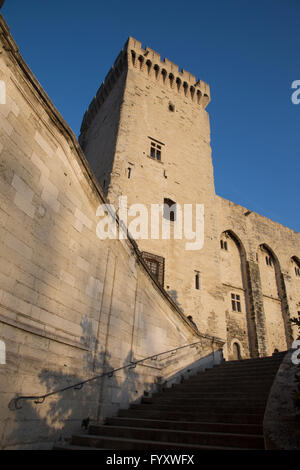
(174, 295)
(38, 426)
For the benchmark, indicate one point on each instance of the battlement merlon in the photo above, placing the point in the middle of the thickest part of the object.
(168, 65)
(130, 56)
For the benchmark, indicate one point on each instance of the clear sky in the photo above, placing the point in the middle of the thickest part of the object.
(248, 52)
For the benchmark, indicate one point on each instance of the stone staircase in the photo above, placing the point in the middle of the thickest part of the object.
(221, 408)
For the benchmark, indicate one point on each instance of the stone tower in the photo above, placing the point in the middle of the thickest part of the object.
(146, 136)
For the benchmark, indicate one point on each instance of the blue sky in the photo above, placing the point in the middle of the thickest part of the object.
(248, 51)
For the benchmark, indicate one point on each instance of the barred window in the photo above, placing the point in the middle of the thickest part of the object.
(156, 265)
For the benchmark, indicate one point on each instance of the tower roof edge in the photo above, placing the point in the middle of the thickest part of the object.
(170, 66)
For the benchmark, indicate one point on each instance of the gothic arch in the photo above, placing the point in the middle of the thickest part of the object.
(278, 328)
(236, 347)
(236, 282)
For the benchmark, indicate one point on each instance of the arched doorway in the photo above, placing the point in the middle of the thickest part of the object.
(236, 352)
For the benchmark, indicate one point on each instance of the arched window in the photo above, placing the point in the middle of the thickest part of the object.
(296, 266)
(169, 210)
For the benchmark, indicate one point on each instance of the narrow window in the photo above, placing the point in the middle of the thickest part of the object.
(269, 261)
(224, 245)
(233, 304)
(128, 172)
(238, 303)
(297, 271)
(197, 281)
(169, 210)
(2, 352)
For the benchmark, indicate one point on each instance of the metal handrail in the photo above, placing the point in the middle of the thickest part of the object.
(39, 399)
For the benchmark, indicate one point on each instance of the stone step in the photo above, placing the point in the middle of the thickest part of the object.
(259, 360)
(239, 365)
(238, 401)
(212, 393)
(222, 408)
(222, 385)
(211, 416)
(187, 425)
(225, 381)
(234, 375)
(233, 372)
(249, 441)
(119, 443)
(203, 407)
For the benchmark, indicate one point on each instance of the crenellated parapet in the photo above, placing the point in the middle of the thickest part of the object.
(167, 73)
(148, 62)
(107, 85)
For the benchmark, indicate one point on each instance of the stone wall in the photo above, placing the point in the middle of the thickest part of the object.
(271, 289)
(71, 305)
